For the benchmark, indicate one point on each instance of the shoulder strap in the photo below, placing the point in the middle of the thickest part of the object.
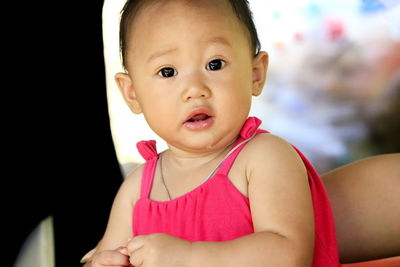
(149, 170)
(148, 150)
(226, 165)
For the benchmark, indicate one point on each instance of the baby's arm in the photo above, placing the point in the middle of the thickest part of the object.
(110, 250)
(282, 214)
(281, 208)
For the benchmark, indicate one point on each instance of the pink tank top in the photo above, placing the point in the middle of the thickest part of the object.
(217, 211)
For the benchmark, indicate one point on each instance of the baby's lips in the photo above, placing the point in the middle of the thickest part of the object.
(198, 112)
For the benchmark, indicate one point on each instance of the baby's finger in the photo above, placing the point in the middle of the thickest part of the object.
(136, 243)
(112, 258)
(136, 258)
(88, 256)
(127, 241)
(123, 250)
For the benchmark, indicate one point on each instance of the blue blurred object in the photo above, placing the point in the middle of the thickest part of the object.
(371, 6)
(390, 3)
(277, 15)
(313, 10)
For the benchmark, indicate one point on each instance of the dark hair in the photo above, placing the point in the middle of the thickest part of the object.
(131, 8)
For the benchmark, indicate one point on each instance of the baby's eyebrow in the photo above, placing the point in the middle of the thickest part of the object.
(214, 39)
(219, 40)
(161, 53)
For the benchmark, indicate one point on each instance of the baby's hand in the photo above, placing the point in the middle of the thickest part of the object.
(117, 257)
(159, 250)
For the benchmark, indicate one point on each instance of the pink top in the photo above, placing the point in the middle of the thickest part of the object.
(217, 211)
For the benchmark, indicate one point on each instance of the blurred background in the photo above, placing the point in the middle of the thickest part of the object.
(333, 87)
(333, 90)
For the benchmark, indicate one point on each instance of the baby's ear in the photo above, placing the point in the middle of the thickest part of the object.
(128, 92)
(260, 66)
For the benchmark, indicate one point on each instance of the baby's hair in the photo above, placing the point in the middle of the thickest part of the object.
(131, 8)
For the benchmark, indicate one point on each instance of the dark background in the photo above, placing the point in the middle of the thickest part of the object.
(60, 158)
(57, 145)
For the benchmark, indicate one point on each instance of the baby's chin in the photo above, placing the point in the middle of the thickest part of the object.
(211, 146)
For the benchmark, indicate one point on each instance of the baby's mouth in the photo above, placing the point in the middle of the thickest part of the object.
(198, 117)
(199, 120)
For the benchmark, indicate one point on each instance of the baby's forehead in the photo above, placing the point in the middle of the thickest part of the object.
(148, 7)
(165, 13)
(172, 9)
(145, 20)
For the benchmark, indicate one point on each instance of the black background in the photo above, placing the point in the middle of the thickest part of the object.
(59, 157)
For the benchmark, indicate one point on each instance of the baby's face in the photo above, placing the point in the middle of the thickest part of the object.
(192, 73)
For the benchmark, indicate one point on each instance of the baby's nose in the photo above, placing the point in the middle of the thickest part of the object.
(195, 87)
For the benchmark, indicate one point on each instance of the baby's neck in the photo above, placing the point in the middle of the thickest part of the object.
(181, 158)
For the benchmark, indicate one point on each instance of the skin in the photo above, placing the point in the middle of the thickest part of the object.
(283, 223)
(359, 183)
(365, 197)
(156, 47)
(143, 89)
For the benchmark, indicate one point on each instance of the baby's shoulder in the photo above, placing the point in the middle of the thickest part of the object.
(269, 149)
(267, 144)
(135, 174)
(132, 183)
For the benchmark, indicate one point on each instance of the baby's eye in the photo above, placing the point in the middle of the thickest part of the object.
(215, 64)
(167, 72)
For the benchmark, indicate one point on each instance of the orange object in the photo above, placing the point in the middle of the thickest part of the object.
(389, 262)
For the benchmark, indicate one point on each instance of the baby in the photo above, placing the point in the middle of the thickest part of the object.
(224, 193)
